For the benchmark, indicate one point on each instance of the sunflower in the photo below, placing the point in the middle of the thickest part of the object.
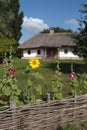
(34, 63)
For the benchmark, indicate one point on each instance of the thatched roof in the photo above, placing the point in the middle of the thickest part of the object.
(49, 40)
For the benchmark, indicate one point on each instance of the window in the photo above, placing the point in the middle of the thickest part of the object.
(38, 52)
(66, 51)
(29, 52)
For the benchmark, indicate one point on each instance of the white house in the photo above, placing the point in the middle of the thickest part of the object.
(49, 45)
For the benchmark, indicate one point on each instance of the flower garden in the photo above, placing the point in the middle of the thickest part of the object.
(25, 81)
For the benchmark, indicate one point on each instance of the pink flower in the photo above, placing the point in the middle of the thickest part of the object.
(5, 62)
(9, 71)
(72, 75)
(14, 72)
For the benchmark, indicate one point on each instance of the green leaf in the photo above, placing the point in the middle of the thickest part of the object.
(27, 70)
(39, 89)
(6, 91)
(37, 75)
(30, 83)
(14, 87)
(60, 96)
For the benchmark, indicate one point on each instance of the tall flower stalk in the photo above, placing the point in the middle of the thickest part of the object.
(73, 81)
(8, 84)
(57, 84)
(34, 89)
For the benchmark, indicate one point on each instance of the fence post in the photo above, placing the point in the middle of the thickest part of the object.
(12, 105)
(48, 97)
(13, 108)
(75, 119)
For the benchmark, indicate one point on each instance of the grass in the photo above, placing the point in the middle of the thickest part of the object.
(47, 70)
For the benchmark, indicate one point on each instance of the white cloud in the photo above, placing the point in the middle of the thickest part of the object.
(33, 25)
(72, 22)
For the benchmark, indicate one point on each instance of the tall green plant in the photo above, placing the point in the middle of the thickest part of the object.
(8, 84)
(33, 90)
(77, 82)
(57, 84)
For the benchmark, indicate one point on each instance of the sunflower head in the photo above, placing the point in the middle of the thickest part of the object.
(34, 63)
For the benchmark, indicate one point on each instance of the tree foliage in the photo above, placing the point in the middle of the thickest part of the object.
(10, 19)
(5, 44)
(82, 36)
(56, 30)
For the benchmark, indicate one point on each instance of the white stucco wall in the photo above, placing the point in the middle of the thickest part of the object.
(33, 54)
(62, 54)
(68, 55)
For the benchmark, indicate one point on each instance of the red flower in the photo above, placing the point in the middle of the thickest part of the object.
(7, 74)
(72, 75)
(14, 73)
(11, 72)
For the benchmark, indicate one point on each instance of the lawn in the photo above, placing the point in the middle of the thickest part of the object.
(47, 70)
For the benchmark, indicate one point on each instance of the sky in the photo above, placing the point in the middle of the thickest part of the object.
(43, 14)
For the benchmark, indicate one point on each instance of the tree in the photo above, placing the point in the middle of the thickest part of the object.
(57, 29)
(11, 19)
(5, 45)
(82, 35)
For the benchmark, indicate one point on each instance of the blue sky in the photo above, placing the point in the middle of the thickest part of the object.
(43, 14)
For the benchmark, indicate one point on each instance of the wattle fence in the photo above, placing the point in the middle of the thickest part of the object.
(45, 116)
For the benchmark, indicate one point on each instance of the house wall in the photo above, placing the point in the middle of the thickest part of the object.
(33, 53)
(68, 55)
(43, 54)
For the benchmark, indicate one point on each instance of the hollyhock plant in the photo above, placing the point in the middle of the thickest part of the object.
(8, 84)
(57, 84)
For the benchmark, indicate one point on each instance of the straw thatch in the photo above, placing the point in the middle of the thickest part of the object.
(49, 40)
(45, 116)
